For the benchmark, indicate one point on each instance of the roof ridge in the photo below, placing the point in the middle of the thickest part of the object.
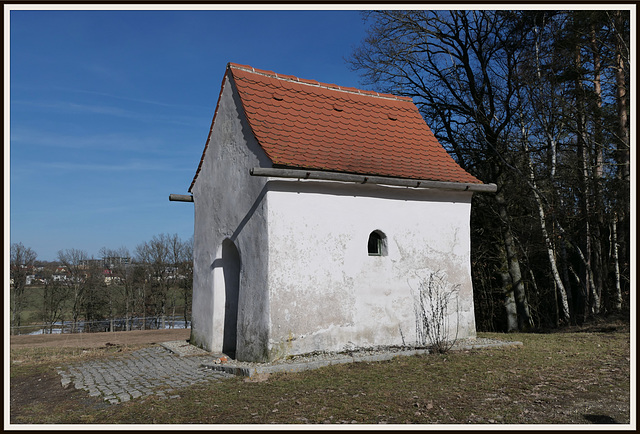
(316, 83)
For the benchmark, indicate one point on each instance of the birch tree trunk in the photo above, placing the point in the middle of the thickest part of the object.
(592, 303)
(562, 310)
(617, 302)
(598, 164)
(623, 147)
(566, 278)
(564, 313)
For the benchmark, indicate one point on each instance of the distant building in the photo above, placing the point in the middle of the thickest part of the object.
(59, 277)
(91, 263)
(114, 261)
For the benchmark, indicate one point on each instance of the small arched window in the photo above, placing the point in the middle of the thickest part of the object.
(377, 244)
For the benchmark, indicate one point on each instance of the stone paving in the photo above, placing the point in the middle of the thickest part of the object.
(146, 372)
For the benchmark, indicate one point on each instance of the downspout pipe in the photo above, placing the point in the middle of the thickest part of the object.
(376, 180)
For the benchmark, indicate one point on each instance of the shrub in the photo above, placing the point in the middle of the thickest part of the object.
(431, 307)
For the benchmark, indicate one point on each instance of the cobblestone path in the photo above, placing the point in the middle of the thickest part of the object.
(150, 371)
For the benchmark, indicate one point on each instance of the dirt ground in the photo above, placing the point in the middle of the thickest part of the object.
(37, 394)
(41, 390)
(98, 340)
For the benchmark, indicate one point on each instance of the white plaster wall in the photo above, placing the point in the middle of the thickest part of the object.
(327, 293)
(229, 205)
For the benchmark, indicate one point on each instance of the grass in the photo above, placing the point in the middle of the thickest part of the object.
(556, 378)
(25, 361)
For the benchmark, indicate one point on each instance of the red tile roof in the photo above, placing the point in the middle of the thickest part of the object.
(306, 124)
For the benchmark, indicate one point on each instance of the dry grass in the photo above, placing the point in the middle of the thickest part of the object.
(556, 378)
(25, 361)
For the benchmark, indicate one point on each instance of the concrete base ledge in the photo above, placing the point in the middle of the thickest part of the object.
(250, 371)
(242, 369)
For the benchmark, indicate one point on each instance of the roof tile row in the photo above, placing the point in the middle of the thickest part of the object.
(306, 124)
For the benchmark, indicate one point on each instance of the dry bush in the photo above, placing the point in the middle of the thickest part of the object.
(431, 307)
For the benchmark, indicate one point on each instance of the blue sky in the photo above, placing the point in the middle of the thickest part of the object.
(110, 110)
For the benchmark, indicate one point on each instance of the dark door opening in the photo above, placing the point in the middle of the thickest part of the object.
(231, 271)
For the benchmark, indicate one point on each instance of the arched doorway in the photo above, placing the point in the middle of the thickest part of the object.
(231, 271)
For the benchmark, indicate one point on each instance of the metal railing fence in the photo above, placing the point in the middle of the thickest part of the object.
(118, 324)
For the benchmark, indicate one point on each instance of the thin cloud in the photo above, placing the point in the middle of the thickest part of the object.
(114, 141)
(137, 100)
(106, 110)
(132, 166)
(41, 89)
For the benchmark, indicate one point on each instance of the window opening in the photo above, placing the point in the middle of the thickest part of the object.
(377, 244)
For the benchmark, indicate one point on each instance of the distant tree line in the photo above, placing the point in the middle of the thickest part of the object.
(536, 102)
(118, 286)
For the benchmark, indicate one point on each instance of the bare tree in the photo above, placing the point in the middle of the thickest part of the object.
(97, 301)
(74, 262)
(21, 263)
(536, 102)
(186, 282)
(118, 266)
(54, 296)
(140, 283)
(158, 256)
(568, 103)
(459, 68)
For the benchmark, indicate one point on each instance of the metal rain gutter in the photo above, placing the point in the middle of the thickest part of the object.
(377, 180)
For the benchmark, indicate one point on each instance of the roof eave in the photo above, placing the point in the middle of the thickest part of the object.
(368, 179)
